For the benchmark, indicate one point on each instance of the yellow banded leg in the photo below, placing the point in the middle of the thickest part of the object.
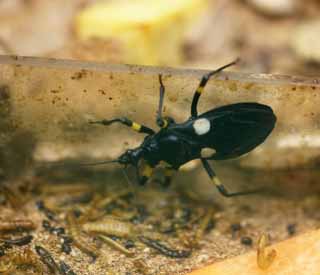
(146, 174)
(203, 82)
(216, 181)
(125, 121)
(200, 89)
(135, 126)
(223, 191)
(163, 123)
(168, 173)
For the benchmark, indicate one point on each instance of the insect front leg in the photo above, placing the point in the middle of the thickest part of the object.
(161, 122)
(202, 84)
(145, 174)
(127, 122)
(168, 174)
(223, 191)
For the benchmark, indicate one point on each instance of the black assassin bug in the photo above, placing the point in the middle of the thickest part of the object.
(222, 133)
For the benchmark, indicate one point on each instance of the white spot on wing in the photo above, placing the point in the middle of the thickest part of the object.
(201, 126)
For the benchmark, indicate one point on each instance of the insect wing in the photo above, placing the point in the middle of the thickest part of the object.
(238, 128)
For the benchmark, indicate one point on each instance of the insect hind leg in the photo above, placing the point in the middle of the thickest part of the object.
(202, 84)
(168, 174)
(223, 191)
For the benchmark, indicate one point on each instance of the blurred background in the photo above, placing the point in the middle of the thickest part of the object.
(270, 36)
(45, 110)
(274, 36)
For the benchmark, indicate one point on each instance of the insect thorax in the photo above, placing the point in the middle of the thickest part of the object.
(169, 147)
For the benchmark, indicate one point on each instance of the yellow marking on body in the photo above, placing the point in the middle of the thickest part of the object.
(199, 90)
(164, 164)
(147, 171)
(136, 126)
(207, 152)
(216, 181)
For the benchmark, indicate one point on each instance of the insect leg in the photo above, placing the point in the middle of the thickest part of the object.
(168, 173)
(223, 191)
(146, 174)
(202, 84)
(161, 122)
(125, 121)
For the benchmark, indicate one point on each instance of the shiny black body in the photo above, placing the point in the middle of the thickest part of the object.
(232, 130)
(235, 130)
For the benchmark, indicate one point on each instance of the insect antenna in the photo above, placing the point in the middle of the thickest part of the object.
(99, 162)
(75, 165)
